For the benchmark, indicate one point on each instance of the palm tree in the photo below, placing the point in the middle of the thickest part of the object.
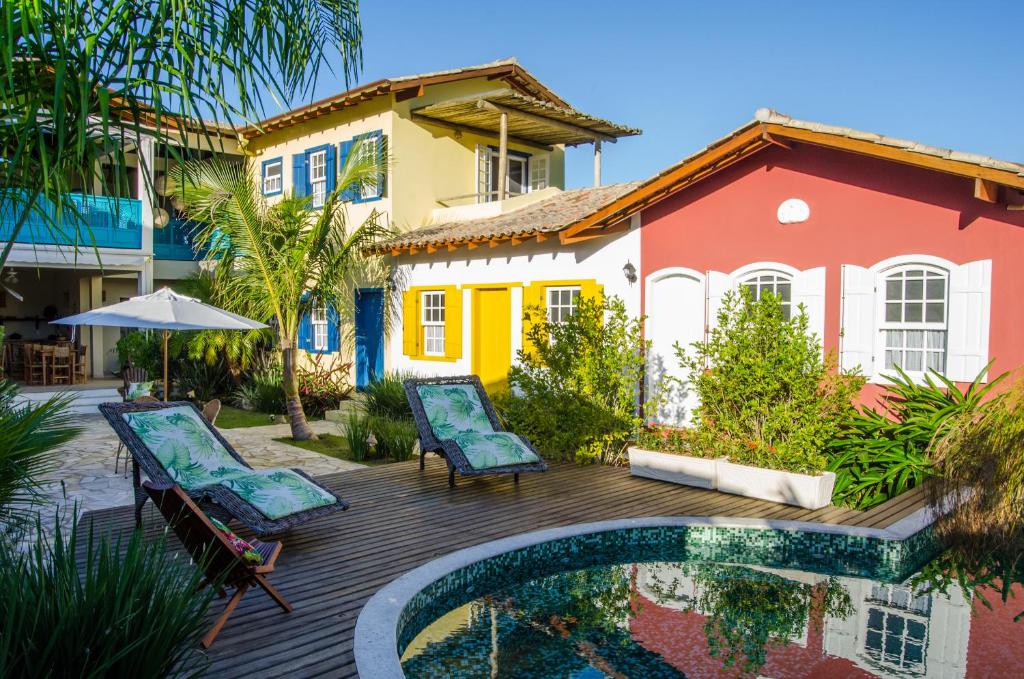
(82, 79)
(282, 259)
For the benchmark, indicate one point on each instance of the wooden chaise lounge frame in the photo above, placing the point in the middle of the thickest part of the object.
(216, 500)
(222, 565)
(450, 450)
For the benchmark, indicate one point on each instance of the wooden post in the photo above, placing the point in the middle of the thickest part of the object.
(597, 162)
(503, 157)
(167, 387)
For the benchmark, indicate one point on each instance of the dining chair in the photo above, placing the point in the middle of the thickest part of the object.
(61, 369)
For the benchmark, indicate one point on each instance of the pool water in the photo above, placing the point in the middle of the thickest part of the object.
(654, 619)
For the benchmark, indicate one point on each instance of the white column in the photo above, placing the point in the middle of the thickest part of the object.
(96, 357)
(503, 157)
(146, 277)
(597, 162)
(144, 187)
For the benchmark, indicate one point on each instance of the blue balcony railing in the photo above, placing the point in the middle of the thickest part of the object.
(101, 221)
(175, 241)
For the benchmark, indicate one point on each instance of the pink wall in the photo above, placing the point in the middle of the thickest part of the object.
(863, 210)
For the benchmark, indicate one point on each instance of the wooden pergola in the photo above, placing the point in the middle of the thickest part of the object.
(513, 116)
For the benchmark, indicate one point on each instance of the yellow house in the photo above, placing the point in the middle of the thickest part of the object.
(450, 136)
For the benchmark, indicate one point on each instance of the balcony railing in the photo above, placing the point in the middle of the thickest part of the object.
(175, 242)
(101, 221)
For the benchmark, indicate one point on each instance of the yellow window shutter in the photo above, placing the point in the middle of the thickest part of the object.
(533, 296)
(452, 322)
(411, 323)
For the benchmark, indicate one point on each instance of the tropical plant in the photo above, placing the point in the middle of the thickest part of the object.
(200, 380)
(396, 437)
(980, 573)
(978, 459)
(93, 607)
(262, 392)
(879, 454)
(145, 349)
(386, 397)
(357, 435)
(283, 259)
(574, 393)
(767, 398)
(323, 385)
(81, 81)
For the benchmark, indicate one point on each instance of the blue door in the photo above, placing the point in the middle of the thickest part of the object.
(369, 336)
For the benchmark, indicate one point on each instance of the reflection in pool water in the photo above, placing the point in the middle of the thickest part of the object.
(675, 619)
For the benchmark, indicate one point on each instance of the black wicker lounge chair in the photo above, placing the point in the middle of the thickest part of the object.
(215, 499)
(222, 564)
(436, 439)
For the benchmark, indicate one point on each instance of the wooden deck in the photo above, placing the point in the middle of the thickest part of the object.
(401, 518)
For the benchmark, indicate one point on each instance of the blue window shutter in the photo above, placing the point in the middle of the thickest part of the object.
(381, 176)
(332, 168)
(333, 331)
(300, 186)
(305, 333)
(344, 148)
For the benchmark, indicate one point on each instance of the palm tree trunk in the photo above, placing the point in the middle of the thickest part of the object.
(301, 431)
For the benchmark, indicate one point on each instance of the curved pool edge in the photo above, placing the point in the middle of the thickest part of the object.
(376, 634)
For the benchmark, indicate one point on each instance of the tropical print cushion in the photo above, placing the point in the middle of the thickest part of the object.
(494, 449)
(278, 492)
(137, 389)
(453, 408)
(184, 446)
(244, 549)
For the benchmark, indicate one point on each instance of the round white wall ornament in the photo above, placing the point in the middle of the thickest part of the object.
(793, 211)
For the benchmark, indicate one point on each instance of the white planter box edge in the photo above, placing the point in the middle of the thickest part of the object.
(698, 472)
(801, 490)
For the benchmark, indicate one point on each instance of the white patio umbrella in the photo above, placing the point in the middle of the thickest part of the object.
(163, 310)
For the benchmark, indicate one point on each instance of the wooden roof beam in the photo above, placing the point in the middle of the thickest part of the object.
(986, 190)
(485, 105)
(458, 127)
(410, 93)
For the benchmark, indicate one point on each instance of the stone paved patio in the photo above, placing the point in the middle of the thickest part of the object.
(86, 475)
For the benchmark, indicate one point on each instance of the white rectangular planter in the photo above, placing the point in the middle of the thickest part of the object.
(802, 490)
(682, 469)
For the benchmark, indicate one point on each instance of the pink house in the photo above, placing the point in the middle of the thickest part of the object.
(902, 254)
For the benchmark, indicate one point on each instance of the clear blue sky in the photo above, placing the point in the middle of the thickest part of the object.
(944, 73)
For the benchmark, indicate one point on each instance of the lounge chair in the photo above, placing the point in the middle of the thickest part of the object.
(456, 420)
(223, 565)
(173, 443)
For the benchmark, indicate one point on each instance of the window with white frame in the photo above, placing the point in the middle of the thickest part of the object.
(368, 156)
(896, 634)
(432, 305)
(318, 319)
(562, 302)
(914, 329)
(272, 176)
(517, 174)
(538, 173)
(318, 177)
(773, 282)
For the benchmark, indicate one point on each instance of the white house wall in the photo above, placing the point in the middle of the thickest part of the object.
(600, 259)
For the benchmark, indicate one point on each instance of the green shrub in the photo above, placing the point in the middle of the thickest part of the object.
(145, 349)
(264, 391)
(666, 440)
(982, 449)
(767, 398)
(357, 430)
(129, 609)
(574, 395)
(386, 397)
(877, 455)
(199, 380)
(396, 438)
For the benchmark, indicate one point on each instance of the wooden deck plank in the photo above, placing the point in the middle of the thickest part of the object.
(401, 518)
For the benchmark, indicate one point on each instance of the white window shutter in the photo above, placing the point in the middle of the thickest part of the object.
(970, 300)
(857, 334)
(809, 290)
(718, 284)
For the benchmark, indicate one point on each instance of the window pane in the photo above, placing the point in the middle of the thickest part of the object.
(893, 289)
(913, 312)
(892, 312)
(892, 359)
(873, 641)
(914, 654)
(912, 361)
(936, 361)
(914, 273)
(915, 339)
(935, 312)
(784, 291)
(915, 289)
(936, 288)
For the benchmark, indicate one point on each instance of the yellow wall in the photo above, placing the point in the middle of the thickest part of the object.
(426, 162)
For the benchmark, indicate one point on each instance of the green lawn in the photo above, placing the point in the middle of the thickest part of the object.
(235, 418)
(331, 445)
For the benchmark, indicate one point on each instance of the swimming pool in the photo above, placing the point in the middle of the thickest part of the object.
(691, 597)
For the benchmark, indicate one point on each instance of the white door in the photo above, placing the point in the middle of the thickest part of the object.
(675, 314)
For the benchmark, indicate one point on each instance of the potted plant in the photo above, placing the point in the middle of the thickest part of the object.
(665, 454)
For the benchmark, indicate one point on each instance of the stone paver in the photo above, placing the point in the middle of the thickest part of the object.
(85, 478)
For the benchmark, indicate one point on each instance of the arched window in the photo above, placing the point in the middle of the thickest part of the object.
(774, 282)
(914, 325)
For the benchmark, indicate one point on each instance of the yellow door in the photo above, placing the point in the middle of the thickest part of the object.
(492, 336)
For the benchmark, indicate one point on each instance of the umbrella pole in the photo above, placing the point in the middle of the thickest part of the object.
(167, 387)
